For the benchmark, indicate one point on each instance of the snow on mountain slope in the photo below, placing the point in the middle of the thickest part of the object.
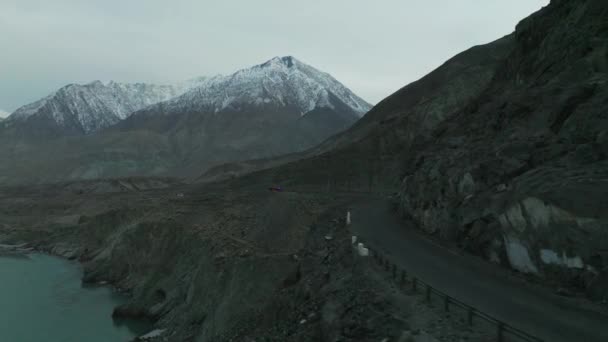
(3, 114)
(282, 80)
(96, 105)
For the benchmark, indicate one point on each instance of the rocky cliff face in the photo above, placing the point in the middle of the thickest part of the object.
(519, 174)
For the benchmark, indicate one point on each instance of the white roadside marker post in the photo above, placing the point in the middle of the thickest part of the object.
(363, 251)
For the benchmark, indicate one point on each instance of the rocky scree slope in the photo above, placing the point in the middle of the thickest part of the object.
(509, 162)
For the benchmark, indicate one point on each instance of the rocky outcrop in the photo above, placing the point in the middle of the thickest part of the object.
(519, 174)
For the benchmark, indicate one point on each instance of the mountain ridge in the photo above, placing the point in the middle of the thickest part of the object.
(277, 107)
(281, 80)
(86, 108)
(90, 107)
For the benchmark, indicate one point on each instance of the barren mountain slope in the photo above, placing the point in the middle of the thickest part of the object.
(517, 172)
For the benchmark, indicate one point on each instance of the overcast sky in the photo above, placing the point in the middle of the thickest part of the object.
(373, 47)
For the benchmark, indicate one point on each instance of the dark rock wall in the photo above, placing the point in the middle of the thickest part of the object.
(520, 175)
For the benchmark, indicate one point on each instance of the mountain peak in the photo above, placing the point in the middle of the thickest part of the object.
(286, 61)
(96, 83)
(280, 81)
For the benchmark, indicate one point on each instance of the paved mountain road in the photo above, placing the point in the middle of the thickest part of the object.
(475, 282)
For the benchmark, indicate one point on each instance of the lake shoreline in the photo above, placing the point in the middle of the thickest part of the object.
(179, 278)
(24, 250)
(54, 295)
(16, 251)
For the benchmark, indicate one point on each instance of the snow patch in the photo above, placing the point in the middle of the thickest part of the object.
(535, 213)
(551, 257)
(152, 334)
(518, 255)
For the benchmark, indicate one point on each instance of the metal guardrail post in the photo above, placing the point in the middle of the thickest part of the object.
(500, 329)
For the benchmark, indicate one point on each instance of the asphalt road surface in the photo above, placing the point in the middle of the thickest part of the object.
(475, 282)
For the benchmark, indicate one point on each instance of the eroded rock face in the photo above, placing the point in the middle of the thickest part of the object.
(520, 174)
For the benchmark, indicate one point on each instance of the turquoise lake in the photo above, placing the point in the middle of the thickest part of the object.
(42, 299)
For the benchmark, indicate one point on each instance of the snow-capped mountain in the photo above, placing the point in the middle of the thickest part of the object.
(282, 81)
(93, 106)
(279, 107)
(279, 82)
(3, 114)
